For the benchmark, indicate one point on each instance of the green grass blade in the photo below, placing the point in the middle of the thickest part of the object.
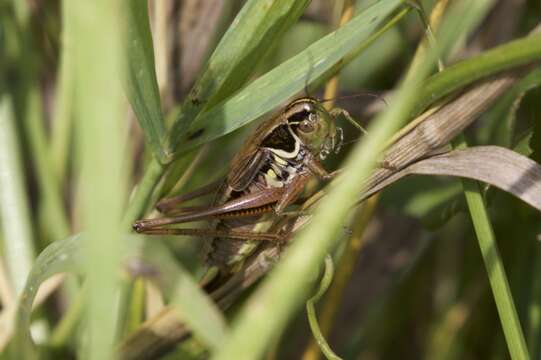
(62, 124)
(52, 215)
(16, 227)
(503, 57)
(135, 305)
(61, 256)
(143, 193)
(496, 273)
(141, 86)
(494, 266)
(258, 26)
(100, 126)
(534, 312)
(324, 284)
(284, 81)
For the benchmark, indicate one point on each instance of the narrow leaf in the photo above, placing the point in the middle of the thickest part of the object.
(494, 265)
(18, 246)
(140, 85)
(504, 57)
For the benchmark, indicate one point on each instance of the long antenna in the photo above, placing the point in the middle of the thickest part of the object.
(368, 94)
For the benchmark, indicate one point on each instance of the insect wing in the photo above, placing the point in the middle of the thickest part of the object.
(249, 160)
(245, 171)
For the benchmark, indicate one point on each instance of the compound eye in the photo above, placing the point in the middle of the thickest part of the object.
(306, 126)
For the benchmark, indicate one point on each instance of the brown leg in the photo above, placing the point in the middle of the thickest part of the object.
(230, 234)
(185, 210)
(317, 169)
(165, 205)
(292, 192)
(246, 205)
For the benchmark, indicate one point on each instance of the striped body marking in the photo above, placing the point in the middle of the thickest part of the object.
(284, 165)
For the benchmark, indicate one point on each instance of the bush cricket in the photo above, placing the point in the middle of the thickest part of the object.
(267, 174)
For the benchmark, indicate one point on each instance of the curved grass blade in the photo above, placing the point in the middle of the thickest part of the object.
(501, 118)
(311, 310)
(273, 88)
(498, 166)
(140, 84)
(61, 256)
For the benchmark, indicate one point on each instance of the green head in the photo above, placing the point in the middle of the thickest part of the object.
(313, 125)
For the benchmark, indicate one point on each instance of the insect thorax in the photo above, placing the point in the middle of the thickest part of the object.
(286, 158)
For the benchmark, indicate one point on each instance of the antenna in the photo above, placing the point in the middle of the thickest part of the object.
(368, 94)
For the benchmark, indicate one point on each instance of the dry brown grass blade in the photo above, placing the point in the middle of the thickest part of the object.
(498, 166)
(440, 126)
